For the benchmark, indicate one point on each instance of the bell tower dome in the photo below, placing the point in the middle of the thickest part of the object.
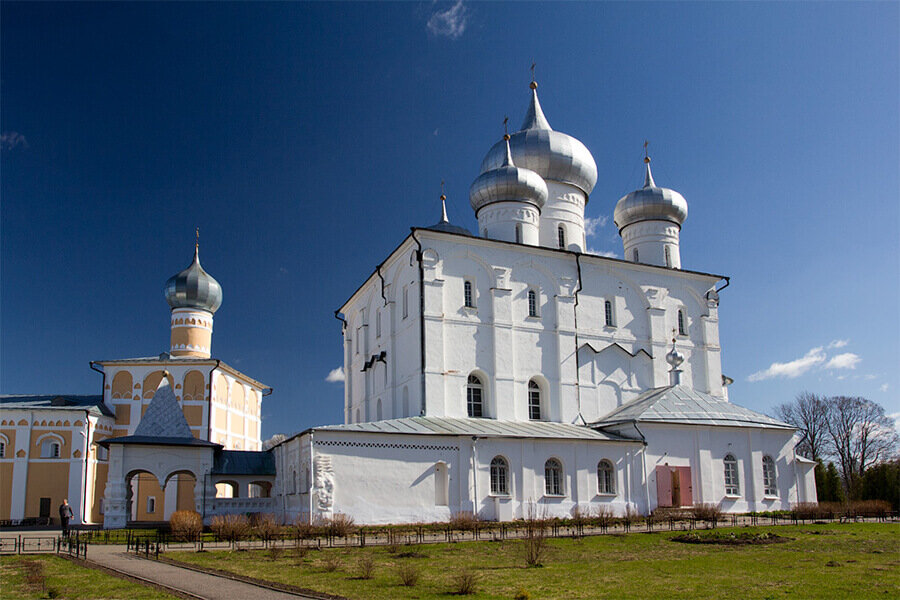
(194, 296)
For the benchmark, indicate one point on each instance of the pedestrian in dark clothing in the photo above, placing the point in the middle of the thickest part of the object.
(65, 513)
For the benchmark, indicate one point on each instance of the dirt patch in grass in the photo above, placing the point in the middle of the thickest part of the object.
(731, 538)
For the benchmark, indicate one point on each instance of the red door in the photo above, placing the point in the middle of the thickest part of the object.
(664, 485)
(686, 497)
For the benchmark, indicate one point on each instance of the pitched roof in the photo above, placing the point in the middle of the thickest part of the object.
(244, 462)
(164, 417)
(681, 404)
(93, 404)
(477, 427)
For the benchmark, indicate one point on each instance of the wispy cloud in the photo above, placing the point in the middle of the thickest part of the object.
(884, 387)
(605, 253)
(792, 369)
(450, 22)
(848, 360)
(591, 225)
(10, 140)
(335, 375)
(837, 344)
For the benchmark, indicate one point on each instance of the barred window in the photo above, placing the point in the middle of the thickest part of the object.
(532, 303)
(534, 401)
(608, 313)
(474, 397)
(553, 485)
(731, 476)
(49, 449)
(499, 476)
(468, 297)
(682, 330)
(668, 257)
(561, 237)
(769, 486)
(636, 255)
(605, 478)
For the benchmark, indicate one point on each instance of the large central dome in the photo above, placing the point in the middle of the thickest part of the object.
(553, 155)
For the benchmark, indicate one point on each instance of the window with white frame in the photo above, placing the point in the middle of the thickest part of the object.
(518, 233)
(609, 317)
(405, 301)
(668, 256)
(49, 449)
(468, 294)
(151, 504)
(377, 323)
(635, 256)
(358, 338)
(682, 328)
(732, 488)
(534, 401)
(561, 237)
(474, 397)
(605, 478)
(499, 476)
(553, 478)
(532, 303)
(769, 486)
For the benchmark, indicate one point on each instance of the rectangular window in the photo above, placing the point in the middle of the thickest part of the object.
(405, 301)
(532, 303)
(468, 296)
(378, 323)
(608, 314)
(151, 504)
(731, 477)
(358, 337)
(2, 450)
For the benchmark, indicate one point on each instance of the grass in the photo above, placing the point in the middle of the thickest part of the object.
(46, 576)
(859, 560)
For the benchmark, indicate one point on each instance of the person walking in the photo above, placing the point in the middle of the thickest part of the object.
(65, 513)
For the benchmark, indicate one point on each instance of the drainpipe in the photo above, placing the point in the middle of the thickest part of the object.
(209, 410)
(474, 477)
(378, 272)
(87, 453)
(421, 315)
(644, 463)
(577, 366)
(312, 474)
(87, 440)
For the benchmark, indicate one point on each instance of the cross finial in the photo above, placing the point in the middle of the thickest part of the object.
(505, 123)
(197, 242)
(646, 156)
(533, 82)
(444, 218)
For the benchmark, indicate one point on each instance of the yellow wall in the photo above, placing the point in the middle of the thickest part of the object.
(148, 486)
(194, 386)
(194, 415)
(65, 449)
(123, 414)
(186, 492)
(122, 385)
(191, 336)
(47, 480)
(6, 474)
(101, 471)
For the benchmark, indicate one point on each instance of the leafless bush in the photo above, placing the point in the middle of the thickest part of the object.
(579, 517)
(231, 528)
(303, 528)
(340, 525)
(299, 553)
(535, 540)
(870, 508)
(265, 526)
(465, 581)
(34, 575)
(630, 516)
(808, 511)
(186, 525)
(366, 565)
(409, 574)
(603, 516)
(331, 562)
(275, 553)
(463, 521)
(711, 513)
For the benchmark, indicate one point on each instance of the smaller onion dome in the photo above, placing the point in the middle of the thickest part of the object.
(444, 224)
(507, 183)
(553, 155)
(650, 203)
(674, 357)
(194, 288)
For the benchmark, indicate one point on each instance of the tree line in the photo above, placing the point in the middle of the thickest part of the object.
(853, 442)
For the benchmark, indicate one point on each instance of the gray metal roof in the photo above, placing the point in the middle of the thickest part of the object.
(244, 462)
(93, 404)
(477, 427)
(163, 418)
(194, 288)
(681, 404)
(153, 440)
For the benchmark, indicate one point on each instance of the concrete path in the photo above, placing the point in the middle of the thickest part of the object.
(194, 583)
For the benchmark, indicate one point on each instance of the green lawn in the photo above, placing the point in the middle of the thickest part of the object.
(821, 561)
(54, 577)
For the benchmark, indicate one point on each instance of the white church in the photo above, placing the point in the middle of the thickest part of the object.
(499, 370)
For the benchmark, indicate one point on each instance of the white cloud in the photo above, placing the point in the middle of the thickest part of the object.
(884, 387)
(335, 375)
(592, 225)
(848, 360)
(451, 22)
(792, 369)
(605, 253)
(10, 140)
(838, 344)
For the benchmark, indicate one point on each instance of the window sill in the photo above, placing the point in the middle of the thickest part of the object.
(554, 495)
(500, 496)
(470, 309)
(771, 497)
(607, 494)
(732, 496)
(533, 318)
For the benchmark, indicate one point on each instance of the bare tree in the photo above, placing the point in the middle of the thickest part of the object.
(808, 413)
(860, 434)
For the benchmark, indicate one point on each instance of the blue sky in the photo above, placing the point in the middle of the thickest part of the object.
(305, 139)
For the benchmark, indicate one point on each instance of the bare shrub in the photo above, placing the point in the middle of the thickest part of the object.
(579, 517)
(603, 516)
(303, 528)
(870, 508)
(186, 525)
(331, 562)
(340, 525)
(409, 574)
(630, 516)
(35, 579)
(231, 528)
(299, 553)
(711, 513)
(806, 511)
(265, 526)
(366, 565)
(275, 553)
(465, 581)
(463, 521)
(535, 540)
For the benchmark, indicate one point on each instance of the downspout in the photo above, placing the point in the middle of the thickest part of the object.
(102, 385)
(378, 272)
(474, 477)
(577, 366)
(311, 476)
(87, 462)
(644, 463)
(209, 414)
(727, 283)
(340, 317)
(421, 315)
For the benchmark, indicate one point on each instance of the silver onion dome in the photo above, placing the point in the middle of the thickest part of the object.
(507, 182)
(553, 155)
(650, 203)
(194, 288)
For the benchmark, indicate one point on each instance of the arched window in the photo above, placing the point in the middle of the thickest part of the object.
(49, 449)
(606, 482)
(405, 302)
(731, 476)
(532, 303)
(294, 487)
(769, 486)
(475, 397)
(608, 313)
(553, 484)
(518, 233)
(635, 255)
(561, 237)
(499, 476)
(468, 296)
(378, 410)
(357, 415)
(534, 401)
(682, 330)
(377, 323)
(668, 257)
